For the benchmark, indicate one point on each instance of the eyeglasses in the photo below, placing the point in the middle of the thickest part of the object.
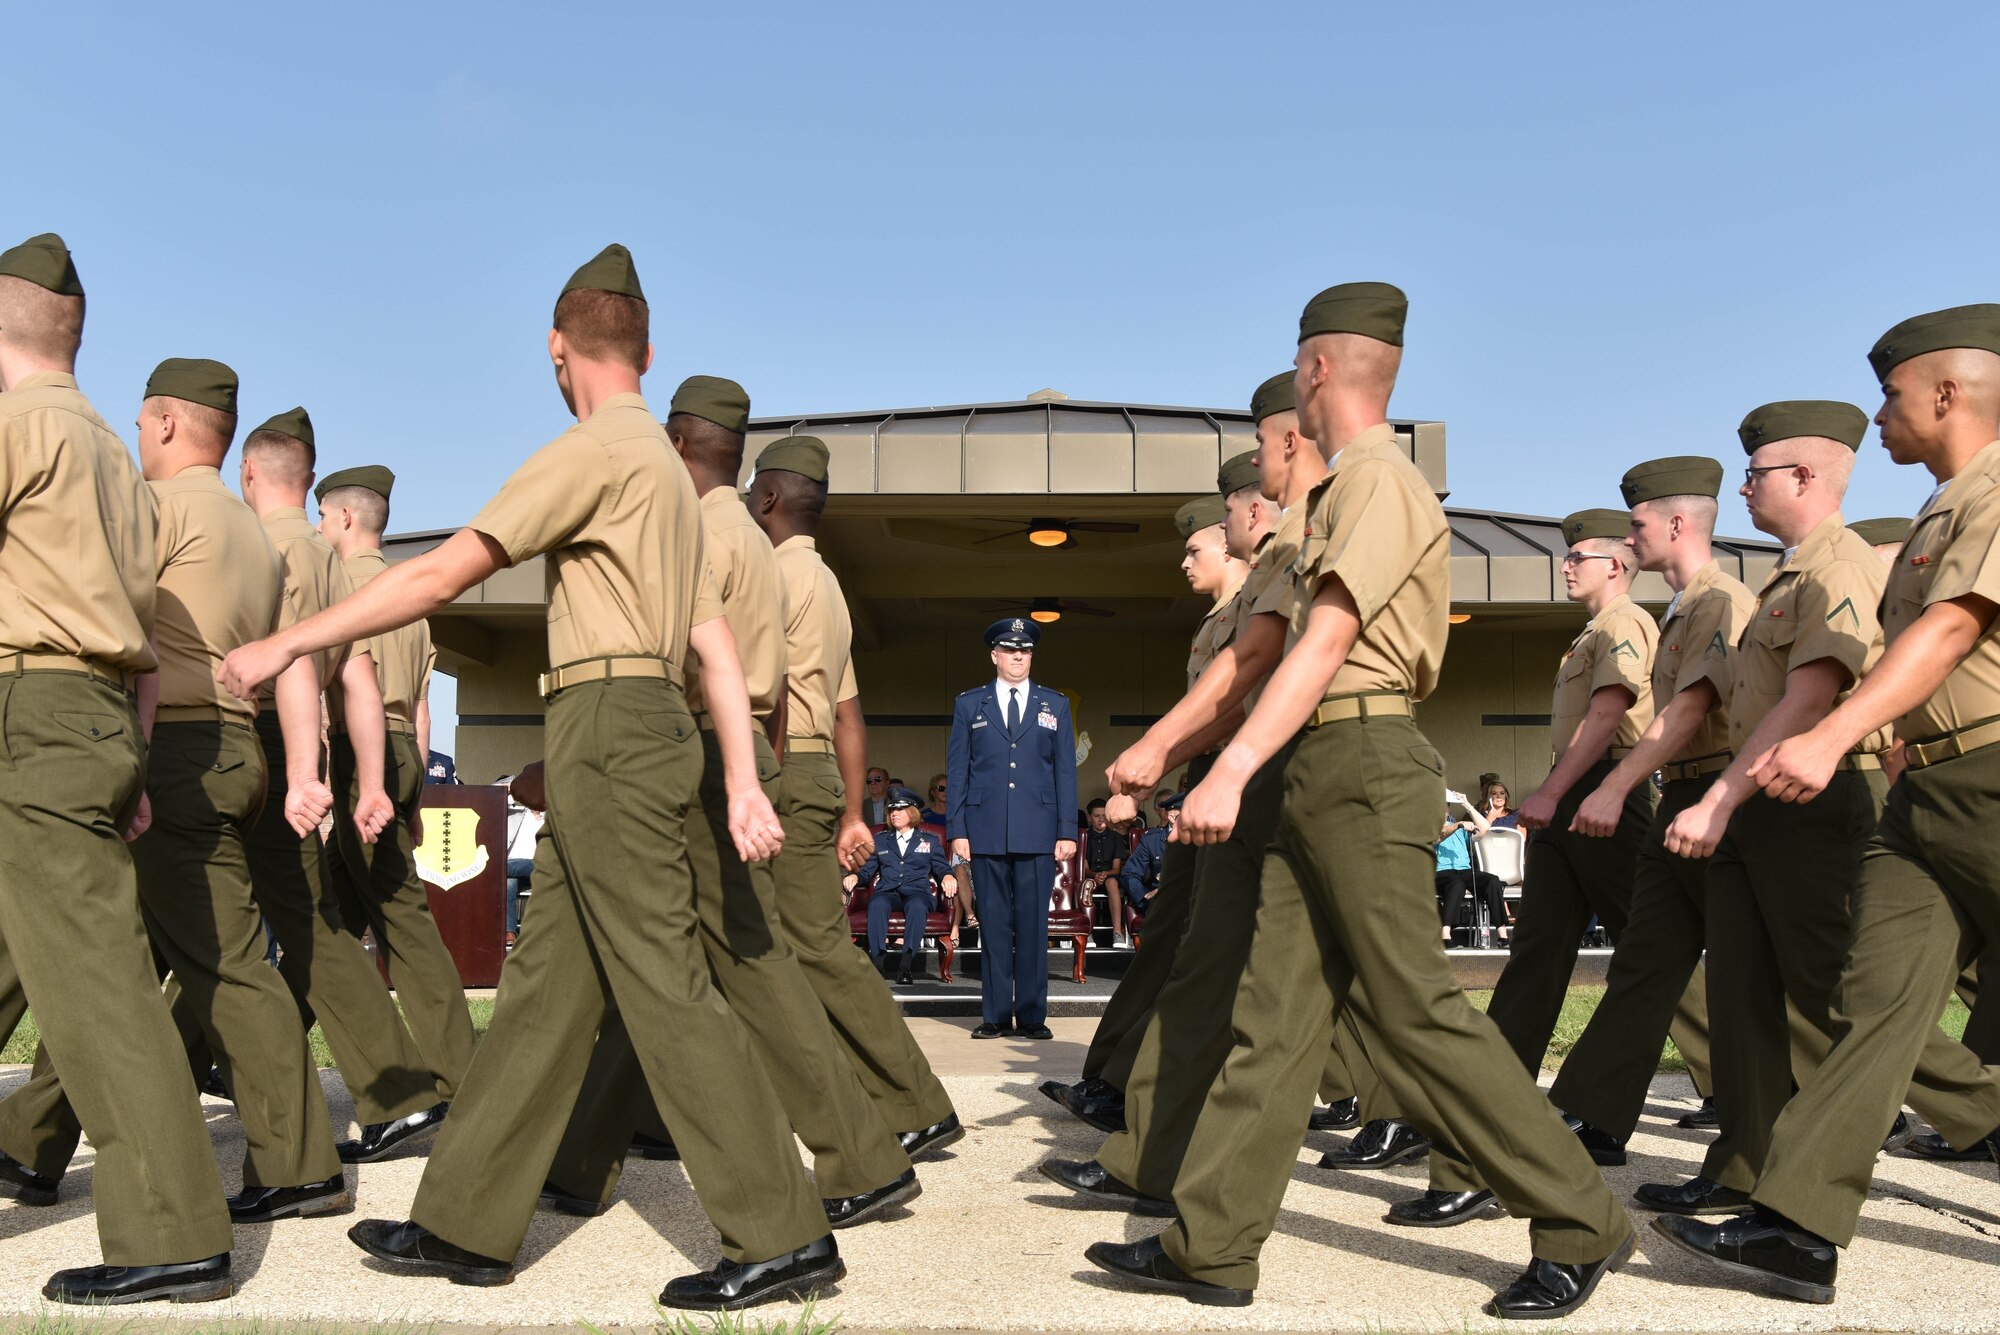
(938, 789)
(1578, 558)
(877, 779)
(1750, 474)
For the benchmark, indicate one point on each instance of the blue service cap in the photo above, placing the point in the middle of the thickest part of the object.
(900, 796)
(1013, 633)
(1172, 801)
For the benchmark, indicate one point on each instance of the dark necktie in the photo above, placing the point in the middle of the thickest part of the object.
(1014, 710)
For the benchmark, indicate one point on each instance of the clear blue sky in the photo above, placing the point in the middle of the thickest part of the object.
(1620, 227)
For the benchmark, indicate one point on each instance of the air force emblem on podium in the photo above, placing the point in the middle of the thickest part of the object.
(451, 853)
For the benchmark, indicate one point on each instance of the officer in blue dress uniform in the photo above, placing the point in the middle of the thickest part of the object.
(1140, 875)
(1011, 808)
(906, 860)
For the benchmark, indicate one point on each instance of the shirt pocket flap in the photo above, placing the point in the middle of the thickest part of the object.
(91, 727)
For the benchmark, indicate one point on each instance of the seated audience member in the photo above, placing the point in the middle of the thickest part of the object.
(905, 862)
(1456, 877)
(1104, 851)
(1140, 875)
(524, 823)
(934, 813)
(875, 803)
(1496, 804)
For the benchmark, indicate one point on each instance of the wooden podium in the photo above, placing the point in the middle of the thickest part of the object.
(462, 856)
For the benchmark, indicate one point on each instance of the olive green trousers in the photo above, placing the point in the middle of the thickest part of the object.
(1347, 921)
(70, 762)
(864, 1013)
(1186, 1039)
(1925, 905)
(1655, 985)
(758, 975)
(205, 782)
(613, 923)
(331, 976)
(1779, 925)
(381, 891)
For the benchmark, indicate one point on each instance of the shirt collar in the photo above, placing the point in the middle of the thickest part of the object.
(1983, 464)
(799, 540)
(47, 379)
(626, 400)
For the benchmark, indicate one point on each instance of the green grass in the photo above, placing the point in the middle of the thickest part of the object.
(72, 1321)
(1578, 1007)
(807, 1322)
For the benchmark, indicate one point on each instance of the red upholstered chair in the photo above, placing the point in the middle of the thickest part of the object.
(1071, 914)
(937, 927)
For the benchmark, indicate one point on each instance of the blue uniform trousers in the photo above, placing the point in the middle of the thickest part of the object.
(914, 905)
(1013, 896)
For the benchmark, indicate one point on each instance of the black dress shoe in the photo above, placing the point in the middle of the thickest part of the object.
(1549, 1289)
(993, 1031)
(1039, 1032)
(1146, 1265)
(555, 1198)
(652, 1147)
(187, 1282)
(1103, 1108)
(1605, 1148)
(904, 977)
(1338, 1116)
(1442, 1209)
(415, 1248)
(797, 1275)
(1930, 1145)
(261, 1205)
(1697, 1195)
(1761, 1247)
(212, 1084)
(933, 1137)
(22, 1183)
(379, 1140)
(1900, 1132)
(1703, 1118)
(1383, 1143)
(1088, 1178)
(847, 1211)
(881, 963)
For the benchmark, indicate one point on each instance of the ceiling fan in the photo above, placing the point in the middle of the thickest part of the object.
(1056, 532)
(1050, 610)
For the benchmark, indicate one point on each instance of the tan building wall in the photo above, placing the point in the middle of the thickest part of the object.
(1490, 675)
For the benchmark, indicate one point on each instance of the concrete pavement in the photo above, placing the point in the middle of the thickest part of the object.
(992, 1246)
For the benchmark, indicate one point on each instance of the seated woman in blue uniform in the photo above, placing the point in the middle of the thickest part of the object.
(905, 862)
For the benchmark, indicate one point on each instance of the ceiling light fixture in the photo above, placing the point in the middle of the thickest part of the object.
(1047, 611)
(1459, 618)
(1048, 532)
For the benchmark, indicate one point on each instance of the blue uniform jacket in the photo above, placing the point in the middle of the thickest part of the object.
(913, 874)
(1141, 872)
(1011, 794)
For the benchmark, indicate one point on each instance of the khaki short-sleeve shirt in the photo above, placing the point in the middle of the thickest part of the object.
(1374, 522)
(743, 570)
(220, 586)
(1820, 604)
(1268, 586)
(1695, 645)
(612, 507)
(1217, 629)
(1953, 550)
(819, 637)
(314, 581)
(77, 557)
(1615, 649)
(403, 658)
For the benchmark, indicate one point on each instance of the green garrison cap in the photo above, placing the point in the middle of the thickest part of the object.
(1803, 417)
(1273, 396)
(610, 271)
(1881, 532)
(1238, 471)
(713, 399)
(1198, 514)
(194, 380)
(292, 422)
(44, 261)
(1376, 310)
(374, 477)
(1959, 327)
(1682, 475)
(1587, 524)
(804, 455)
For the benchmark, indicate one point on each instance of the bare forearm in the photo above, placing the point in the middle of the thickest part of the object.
(1672, 732)
(728, 700)
(422, 725)
(298, 720)
(1208, 739)
(1912, 670)
(1592, 739)
(1809, 696)
(361, 703)
(407, 591)
(1296, 687)
(1221, 689)
(850, 751)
